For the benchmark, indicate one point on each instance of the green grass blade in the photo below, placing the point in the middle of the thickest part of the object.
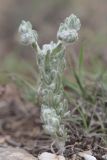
(81, 61)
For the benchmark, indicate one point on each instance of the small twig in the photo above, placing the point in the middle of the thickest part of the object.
(102, 147)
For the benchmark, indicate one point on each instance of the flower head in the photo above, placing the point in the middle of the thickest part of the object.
(51, 119)
(28, 36)
(48, 48)
(68, 31)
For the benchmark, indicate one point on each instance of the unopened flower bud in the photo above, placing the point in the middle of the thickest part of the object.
(68, 36)
(28, 36)
(68, 31)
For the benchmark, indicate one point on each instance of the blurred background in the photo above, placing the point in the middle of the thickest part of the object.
(45, 16)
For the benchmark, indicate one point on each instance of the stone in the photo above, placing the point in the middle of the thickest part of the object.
(9, 153)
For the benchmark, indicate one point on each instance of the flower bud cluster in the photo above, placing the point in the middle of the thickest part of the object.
(68, 31)
(50, 119)
(28, 36)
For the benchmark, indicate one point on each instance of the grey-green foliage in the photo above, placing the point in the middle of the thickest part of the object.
(51, 63)
(54, 108)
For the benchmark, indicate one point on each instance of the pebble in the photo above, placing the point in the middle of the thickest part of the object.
(87, 156)
(104, 157)
(50, 156)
